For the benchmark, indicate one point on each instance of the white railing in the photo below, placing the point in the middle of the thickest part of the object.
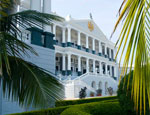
(82, 76)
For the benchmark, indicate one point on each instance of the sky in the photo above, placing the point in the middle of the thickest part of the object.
(104, 12)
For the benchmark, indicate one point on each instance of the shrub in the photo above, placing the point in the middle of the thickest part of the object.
(95, 108)
(82, 93)
(79, 109)
(99, 92)
(124, 95)
(81, 101)
(50, 111)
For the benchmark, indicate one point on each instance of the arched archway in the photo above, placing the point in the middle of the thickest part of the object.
(100, 85)
(93, 84)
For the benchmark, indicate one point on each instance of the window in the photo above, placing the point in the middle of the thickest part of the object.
(43, 40)
(57, 58)
(108, 52)
(27, 36)
(93, 85)
(112, 71)
(103, 49)
(112, 54)
(57, 68)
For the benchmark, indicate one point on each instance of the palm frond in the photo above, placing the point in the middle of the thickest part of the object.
(21, 80)
(29, 84)
(134, 43)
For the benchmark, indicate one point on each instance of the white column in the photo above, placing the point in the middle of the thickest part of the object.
(100, 67)
(47, 6)
(35, 5)
(100, 47)
(110, 53)
(105, 49)
(79, 64)
(69, 34)
(79, 38)
(106, 69)
(47, 9)
(63, 34)
(93, 44)
(54, 31)
(64, 62)
(87, 65)
(110, 70)
(93, 66)
(87, 42)
(69, 61)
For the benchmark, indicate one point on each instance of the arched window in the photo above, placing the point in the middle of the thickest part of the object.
(100, 85)
(93, 85)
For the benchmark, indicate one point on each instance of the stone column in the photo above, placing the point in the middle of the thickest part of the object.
(93, 66)
(54, 31)
(110, 70)
(105, 49)
(79, 40)
(63, 64)
(100, 67)
(100, 48)
(47, 9)
(79, 65)
(69, 34)
(87, 65)
(87, 42)
(106, 73)
(63, 36)
(93, 44)
(69, 64)
(35, 5)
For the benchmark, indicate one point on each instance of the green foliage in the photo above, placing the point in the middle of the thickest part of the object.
(134, 47)
(82, 93)
(95, 108)
(50, 111)
(107, 107)
(81, 101)
(124, 96)
(23, 81)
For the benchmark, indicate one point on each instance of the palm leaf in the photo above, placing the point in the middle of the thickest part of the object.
(134, 43)
(23, 81)
(29, 84)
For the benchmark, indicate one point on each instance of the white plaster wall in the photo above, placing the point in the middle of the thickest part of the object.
(45, 58)
(69, 90)
(73, 90)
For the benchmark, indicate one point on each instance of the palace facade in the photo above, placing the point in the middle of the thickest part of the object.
(75, 51)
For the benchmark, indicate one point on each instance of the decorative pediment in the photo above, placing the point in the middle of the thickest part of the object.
(89, 26)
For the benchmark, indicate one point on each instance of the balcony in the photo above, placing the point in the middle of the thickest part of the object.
(73, 45)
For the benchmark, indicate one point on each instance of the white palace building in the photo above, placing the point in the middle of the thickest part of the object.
(76, 51)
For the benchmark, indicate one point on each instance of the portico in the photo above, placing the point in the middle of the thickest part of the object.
(69, 36)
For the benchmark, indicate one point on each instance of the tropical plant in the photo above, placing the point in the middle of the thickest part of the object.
(134, 42)
(82, 93)
(23, 81)
(99, 92)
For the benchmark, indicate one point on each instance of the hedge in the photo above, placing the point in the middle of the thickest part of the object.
(75, 109)
(50, 111)
(81, 101)
(95, 108)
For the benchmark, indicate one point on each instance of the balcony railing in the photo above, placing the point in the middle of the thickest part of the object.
(73, 45)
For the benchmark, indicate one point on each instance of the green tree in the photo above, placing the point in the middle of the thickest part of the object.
(134, 42)
(23, 81)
